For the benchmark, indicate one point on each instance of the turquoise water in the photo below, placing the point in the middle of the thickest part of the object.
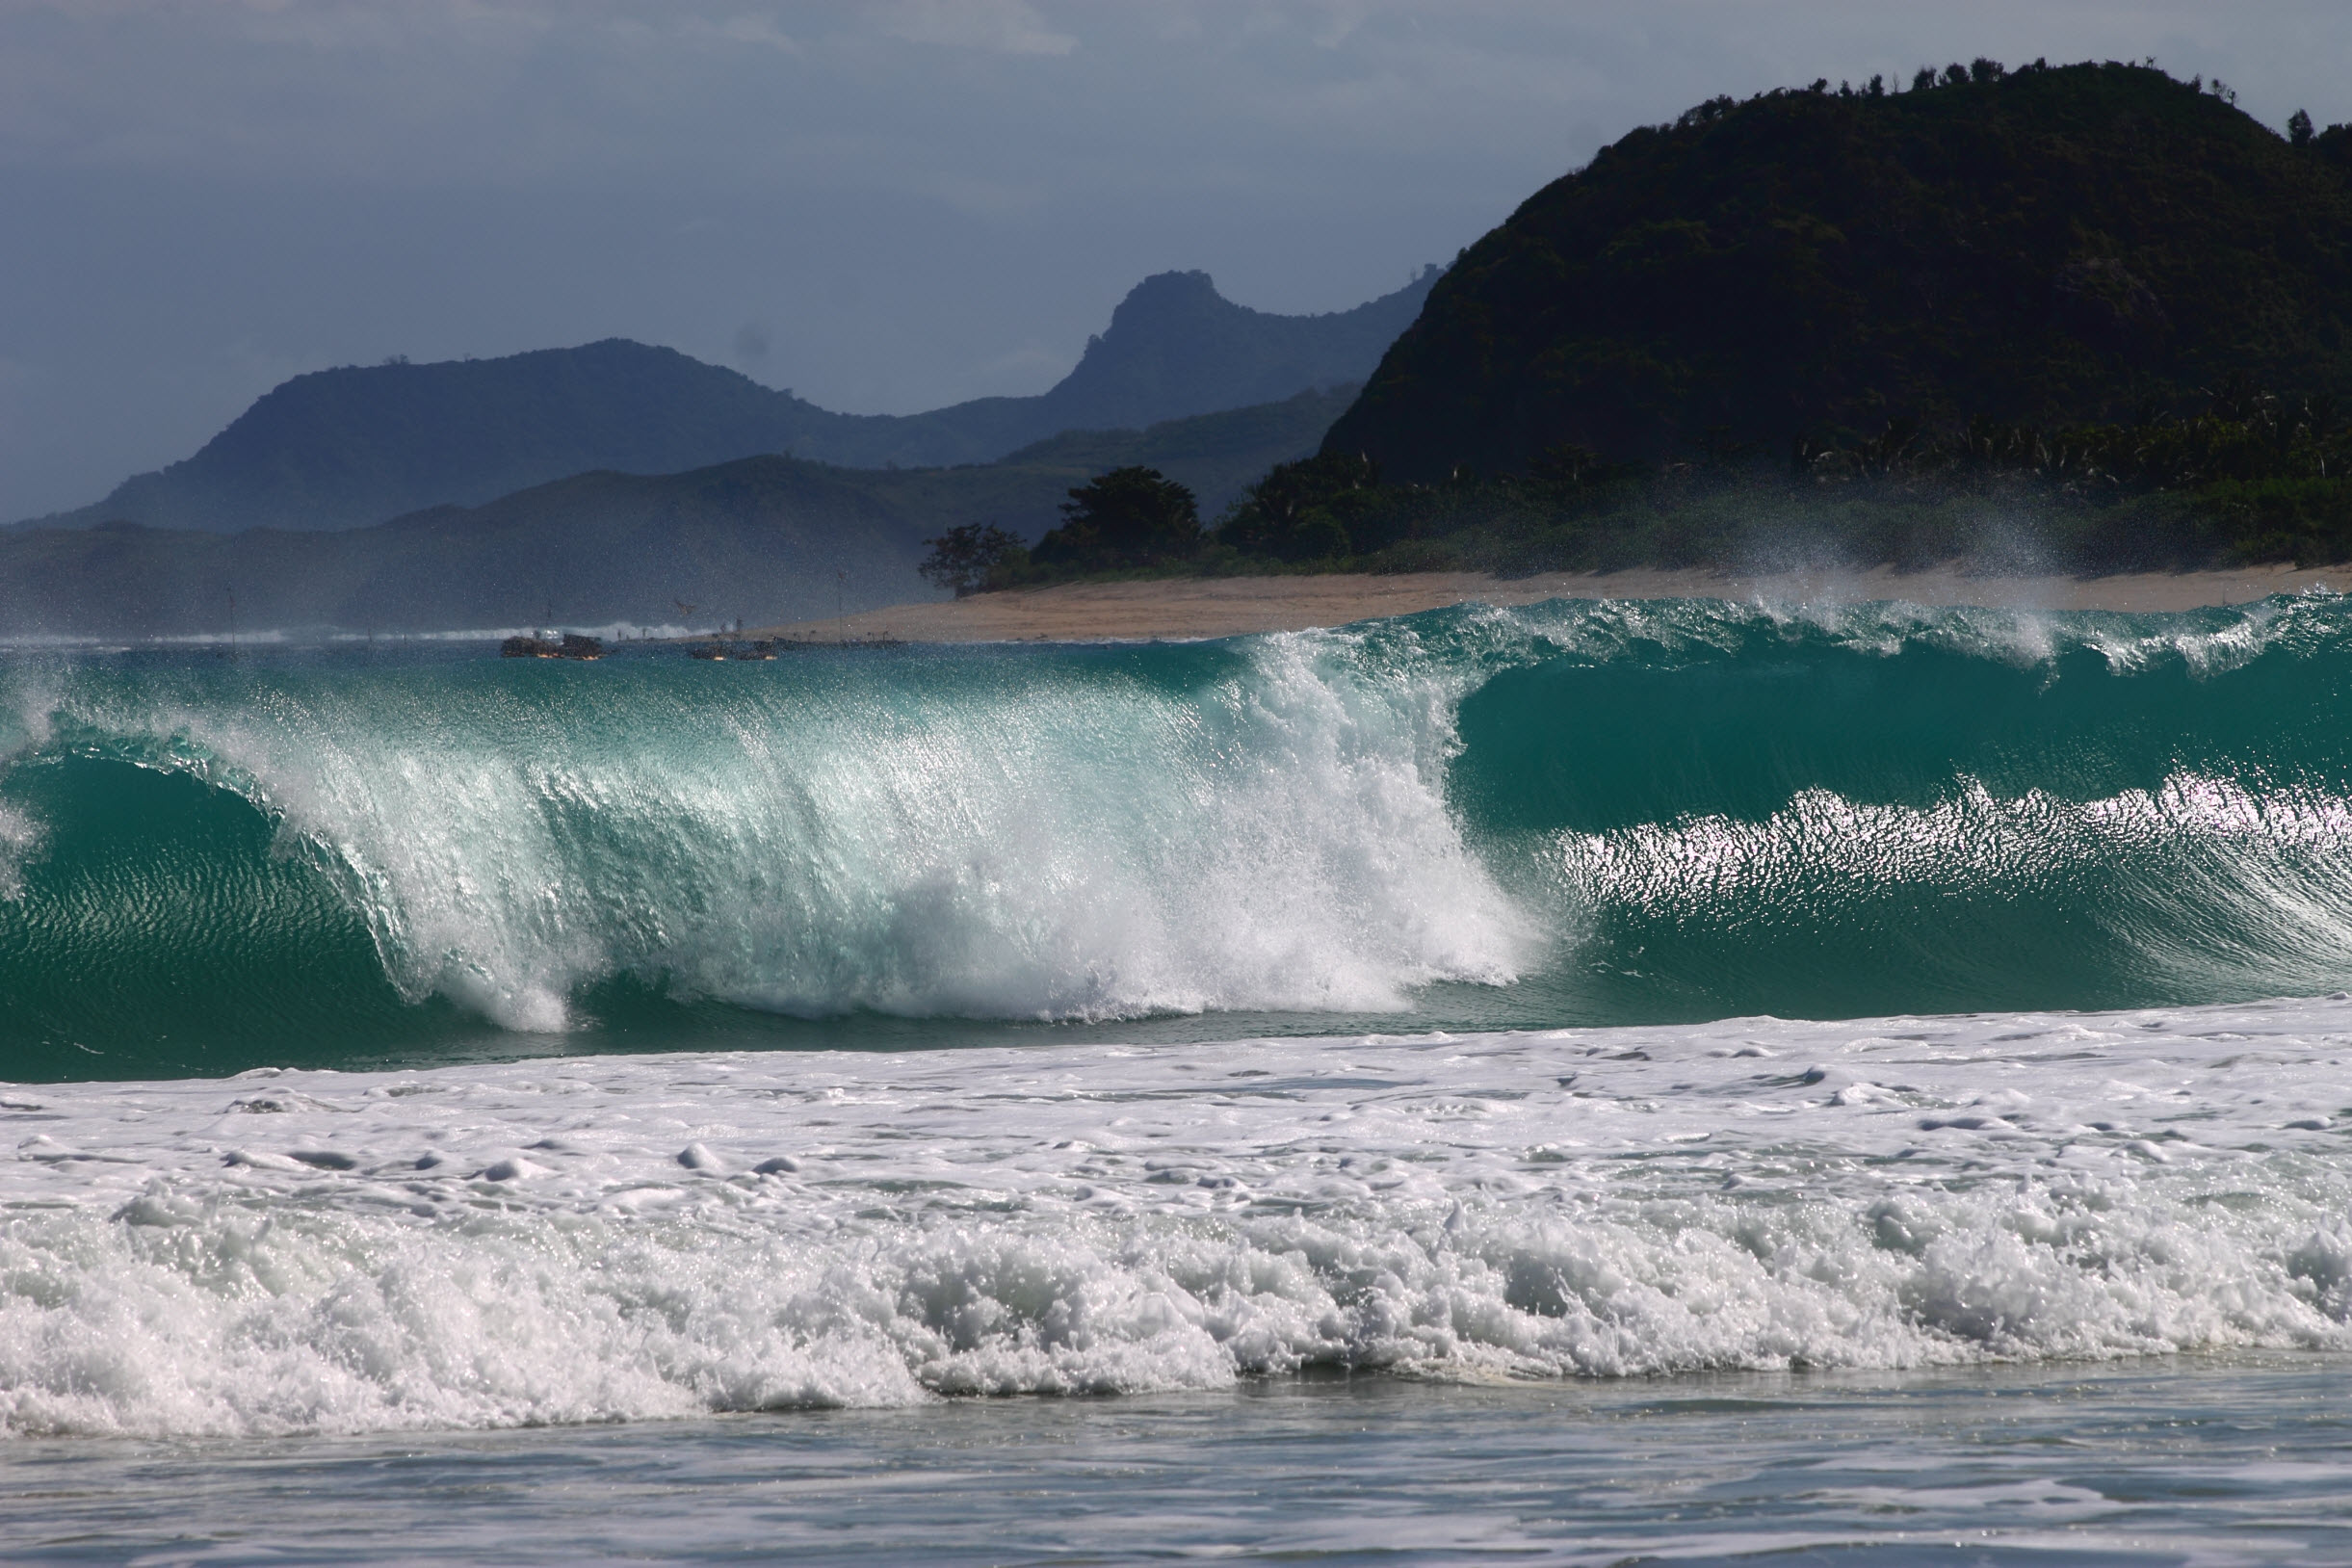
(1587, 815)
(1595, 1082)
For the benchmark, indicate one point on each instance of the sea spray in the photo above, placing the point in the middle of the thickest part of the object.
(1588, 813)
(1081, 834)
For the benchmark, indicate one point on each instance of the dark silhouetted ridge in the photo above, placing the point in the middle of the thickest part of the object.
(2045, 245)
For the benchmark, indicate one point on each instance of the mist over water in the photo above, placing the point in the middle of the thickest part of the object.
(1578, 813)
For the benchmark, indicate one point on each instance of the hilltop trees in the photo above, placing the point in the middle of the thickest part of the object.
(1887, 325)
(2045, 245)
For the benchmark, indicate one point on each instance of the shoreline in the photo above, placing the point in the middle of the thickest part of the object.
(1184, 607)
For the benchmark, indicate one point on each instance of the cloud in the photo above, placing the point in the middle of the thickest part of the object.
(1008, 27)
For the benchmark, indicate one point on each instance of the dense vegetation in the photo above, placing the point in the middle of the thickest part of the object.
(356, 445)
(1129, 517)
(2049, 247)
(2035, 311)
(2250, 477)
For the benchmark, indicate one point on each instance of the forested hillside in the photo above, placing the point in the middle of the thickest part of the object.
(2046, 246)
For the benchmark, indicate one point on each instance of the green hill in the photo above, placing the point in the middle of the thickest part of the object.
(2046, 246)
(348, 447)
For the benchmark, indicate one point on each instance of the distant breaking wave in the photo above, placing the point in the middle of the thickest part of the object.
(1575, 814)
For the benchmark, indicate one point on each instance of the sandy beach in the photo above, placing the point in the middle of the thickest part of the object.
(1231, 606)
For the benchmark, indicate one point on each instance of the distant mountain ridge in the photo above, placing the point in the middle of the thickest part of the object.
(762, 537)
(1176, 348)
(356, 445)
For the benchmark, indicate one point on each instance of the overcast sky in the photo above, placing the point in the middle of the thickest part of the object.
(884, 206)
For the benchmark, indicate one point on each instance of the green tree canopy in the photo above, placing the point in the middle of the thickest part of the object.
(962, 558)
(1312, 509)
(1127, 517)
(2042, 245)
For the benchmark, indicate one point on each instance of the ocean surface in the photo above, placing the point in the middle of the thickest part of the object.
(1593, 1083)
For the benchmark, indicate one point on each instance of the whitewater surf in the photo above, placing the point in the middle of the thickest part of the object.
(1582, 814)
(408, 1041)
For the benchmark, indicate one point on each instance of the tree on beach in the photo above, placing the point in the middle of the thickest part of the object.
(1128, 517)
(962, 558)
(1311, 510)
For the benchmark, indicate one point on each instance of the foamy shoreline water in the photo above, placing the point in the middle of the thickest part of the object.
(661, 1237)
(1985, 1285)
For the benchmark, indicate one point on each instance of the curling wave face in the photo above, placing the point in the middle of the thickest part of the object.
(668, 1235)
(1575, 814)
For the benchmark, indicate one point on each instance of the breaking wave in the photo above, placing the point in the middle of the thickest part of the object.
(1589, 813)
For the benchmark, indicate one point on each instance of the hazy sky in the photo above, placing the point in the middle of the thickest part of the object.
(884, 206)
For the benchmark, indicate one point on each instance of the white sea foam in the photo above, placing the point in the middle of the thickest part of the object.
(1832, 845)
(1060, 842)
(19, 836)
(2245, 881)
(1264, 826)
(647, 1237)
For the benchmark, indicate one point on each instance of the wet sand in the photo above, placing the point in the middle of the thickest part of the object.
(1230, 606)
